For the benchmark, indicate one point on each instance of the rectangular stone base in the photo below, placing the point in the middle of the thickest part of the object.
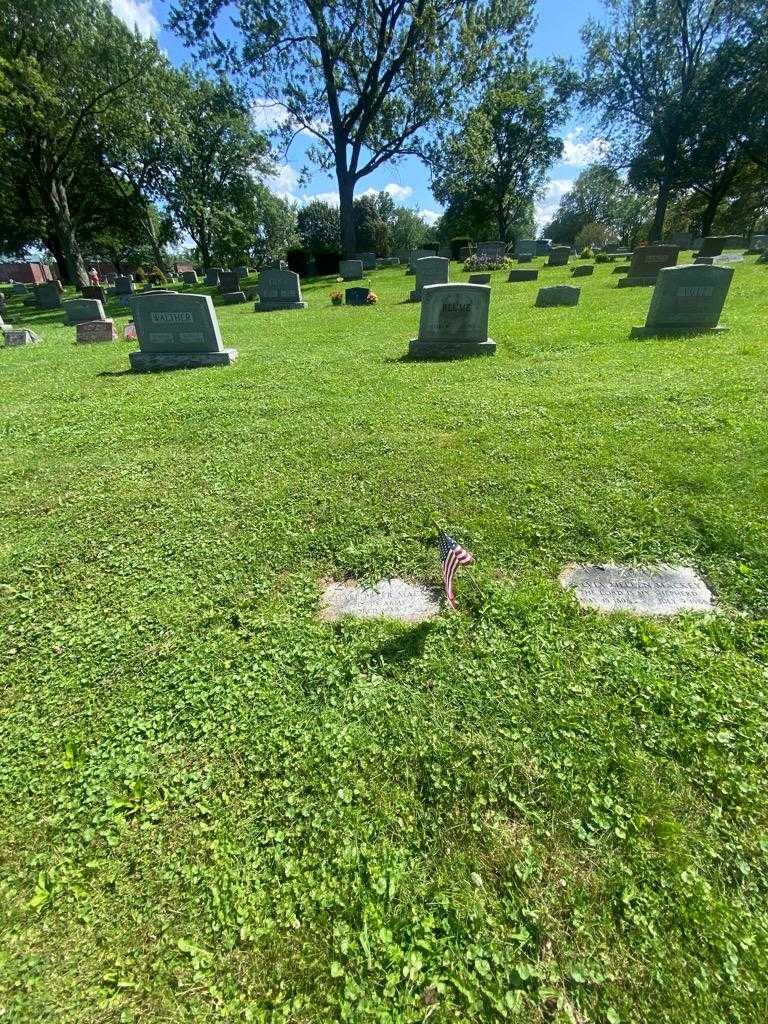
(636, 282)
(450, 349)
(654, 332)
(269, 305)
(143, 361)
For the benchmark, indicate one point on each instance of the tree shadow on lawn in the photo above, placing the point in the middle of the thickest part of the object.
(408, 645)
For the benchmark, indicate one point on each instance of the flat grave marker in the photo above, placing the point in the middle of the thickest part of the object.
(522, 275)
(355, 296)
(663, 590)
(388, 599)
(558, 295)
(584, 271)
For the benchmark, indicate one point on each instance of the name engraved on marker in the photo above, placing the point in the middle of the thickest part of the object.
(695, 292)
(456, 307)
(172, 318)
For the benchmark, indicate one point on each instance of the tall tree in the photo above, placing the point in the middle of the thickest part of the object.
(647, 71)
(600, 197)
(364, 79)
(64, 64)
(496, 160)
(319, 226)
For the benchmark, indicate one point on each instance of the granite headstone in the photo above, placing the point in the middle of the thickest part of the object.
(453, 322)
(177, 330)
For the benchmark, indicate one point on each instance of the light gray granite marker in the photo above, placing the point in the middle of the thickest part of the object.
(279, 289)
(429, 270)
(15, 338)
(351, 270)
(388, 599)
(663, 590)
(687, 298)
(176, 330)
(647, 261)
(78, 310)
(453, 322)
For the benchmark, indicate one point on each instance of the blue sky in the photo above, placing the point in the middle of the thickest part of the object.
(557, 33)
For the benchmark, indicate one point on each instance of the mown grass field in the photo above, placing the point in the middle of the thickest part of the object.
(216, 807)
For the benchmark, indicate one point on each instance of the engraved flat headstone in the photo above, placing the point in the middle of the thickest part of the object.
(647, 261)
(388, 599)
(188, 277)
(478, 279)
(586, 270)
(453, 322)
(662, 590)
(522, 275)
(78, 310)
(279, 289)
(15, 338)
(177, 330)
(47, 296)
(688, 298)
(559, 256)
(90, 331)
(356, 296)
(351, 270)
(429, 270)
(558, 295)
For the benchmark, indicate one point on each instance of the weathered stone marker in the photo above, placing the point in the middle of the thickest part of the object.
(47, 296)
(229, 281)
(453, 322)
(212, 275)
(664, 590)
(78, 310)
(414, 256)
(478, 279)
(492, 250)
(124, 285)
(177, 330)
(522, 275)
(587, 270)
(95, 330)
(233, 298)
(279, 289)
(525, 247)
(689, 298)
(94, 291)
(368, 259)
(647, 261)
(388, 599)
(558, 295)
(429, 270)
(351, 270)
(356, 296)
(559, 256)
(188, 277)
(16, 338)
(713, 245)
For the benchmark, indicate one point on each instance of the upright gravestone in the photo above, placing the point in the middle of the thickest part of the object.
(682, 239)
(713, 245)
(95, 330)
(242, 271)
(414, 256)
(525, 247)
(188, 277)
(177, 330)
(78, 310)
(647, 261)
(429, 270)
(558, 295)
(559, 256)
(123, 285)
(351, 270)
(279, 289)
(229, 281)
(759, 242)
(19, 288)
(492, 250)
(14, 338)
(453, 322)
(368, 259)
(356, 296)
(212, 275)
(47, 296)
(543, 246)
(689, 298)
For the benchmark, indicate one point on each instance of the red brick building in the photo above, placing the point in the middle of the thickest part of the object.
(26, 273)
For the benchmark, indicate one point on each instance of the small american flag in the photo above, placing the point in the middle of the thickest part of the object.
(452, 555)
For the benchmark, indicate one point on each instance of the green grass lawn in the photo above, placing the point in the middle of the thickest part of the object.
(216, 807)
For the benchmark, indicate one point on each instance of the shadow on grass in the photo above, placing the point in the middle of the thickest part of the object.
(406, 646)
(119, 373)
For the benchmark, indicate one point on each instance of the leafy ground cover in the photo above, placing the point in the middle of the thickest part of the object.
(216, 807)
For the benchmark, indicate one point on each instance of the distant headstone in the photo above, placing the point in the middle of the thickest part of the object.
(95, 330)
(664, 590)
(414, 256)
(558, 295)
(275, 265)
(233, 298)
(586, 270)
(188, 277)
(543, 246)
(453, 322)
(242, 271)
(492, 250)
(477, 279)
(444, 252)
(229, 281)
(429, 270)
(356, 296)
(279, 289)
(212, 276)
(522, 275)
(15, 338)
(47, 296)
(559, 256)
(19, 288)
(94, 291)
(525, 258)
(759, 242)
(647, 261)
(351, 270)
(712, 245)
(688, 298)
(177, 330)
(388, 599)
(734, 242)
(389, 261)
(78, 310)
(525, 247)
(464, 253)
(623, 269)
(368, 259)
(124, 285)
(682, 239)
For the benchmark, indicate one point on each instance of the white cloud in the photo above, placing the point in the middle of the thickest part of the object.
(395, 190)
(429, 217)
(267, 115)
(578, 152)
(332, 198)
(137, 14)
(547, 205)
(283, 182)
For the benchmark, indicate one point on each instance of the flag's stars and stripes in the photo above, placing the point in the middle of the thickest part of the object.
(452, 555)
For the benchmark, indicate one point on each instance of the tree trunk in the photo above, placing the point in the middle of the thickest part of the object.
(710, 212)
(347, 213)
(662, 200)
(154, 244)
(53, 246)
(65, 229)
